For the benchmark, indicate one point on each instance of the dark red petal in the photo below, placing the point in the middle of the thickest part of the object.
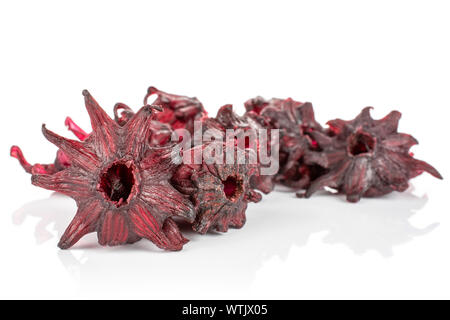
(84, 222)
(17, 153)
(222, 223)
(104, 128)
(421, 166)
(357, 179)
(147, 226)
(231, 218)
(263, 183)
(320, 158)
(138, 132)
(161, 134)
(415, 167)
(301, 183)
(37, 168)
(76, 151)
(43, 169)
(77, 131)
(62, 160)
(338, 127)
(126, 114)
(390, 173)
(321, 138)
(68, 182)
(253, 196)
(187, 111)
(166, 200)
(178, 111)
(307, 117)
(364, 118)
(114, 229)
(293, 159)
(209, 213)
(227, 118)
(172, 232)
(158, 163)
(206, 181)
(210, 202)
(238, 220)
(331, 179)
(388, 125)
(399, 142)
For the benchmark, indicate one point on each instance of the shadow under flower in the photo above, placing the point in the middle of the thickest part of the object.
(273, 228)
(373, 224)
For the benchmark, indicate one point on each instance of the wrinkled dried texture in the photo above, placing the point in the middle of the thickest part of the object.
(161, 133)
(368, 157)
(120, 184)
(179, 112)
(75, 129)
(127, 185)
(220, 192)
(225, 119)
(61, 162)
(296, 123)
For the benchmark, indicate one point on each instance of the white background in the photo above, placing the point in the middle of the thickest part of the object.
(340, 55)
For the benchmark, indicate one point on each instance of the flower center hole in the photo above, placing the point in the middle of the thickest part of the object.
(232, 187)
(116, 183)
(361, 143)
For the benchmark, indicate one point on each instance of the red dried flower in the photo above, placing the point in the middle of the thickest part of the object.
(61, 162)
(220, 192)
(225, 119)
(75, 129)
(161, 133)
(179, 112)
(368, 157)
(296, 123)
(120, 184)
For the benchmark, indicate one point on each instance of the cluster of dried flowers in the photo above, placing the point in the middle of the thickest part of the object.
(127, 186)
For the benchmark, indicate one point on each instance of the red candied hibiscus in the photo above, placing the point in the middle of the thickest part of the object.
(161, 133)
(298, 127)
(368, 157)
(179, 112)
(61, 162)
(220, 192)
(226, 119)
(120, 184)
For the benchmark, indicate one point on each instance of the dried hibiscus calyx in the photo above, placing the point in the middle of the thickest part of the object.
(122, 113)
(75, 129)
(179, 112)
(128, 182)
(120, 183)
(220, 191)
(161, 133)
(226, 118)
(246, 135)
(298, 143)
(61, 161)
(367, 157)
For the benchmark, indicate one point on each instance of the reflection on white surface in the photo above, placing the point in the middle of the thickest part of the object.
(274, 226)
